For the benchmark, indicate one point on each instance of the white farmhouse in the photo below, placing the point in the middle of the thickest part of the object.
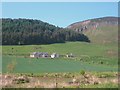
(34, 54)
(54, 55)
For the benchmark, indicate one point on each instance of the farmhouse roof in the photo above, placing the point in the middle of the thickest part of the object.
(39, 53)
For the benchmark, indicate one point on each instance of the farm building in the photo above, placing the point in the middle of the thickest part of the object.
(54, 55)
(39, 54)
(70, 55)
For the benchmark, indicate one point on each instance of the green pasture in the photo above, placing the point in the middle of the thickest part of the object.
(77, 48)
(48, 65)
(88, 57)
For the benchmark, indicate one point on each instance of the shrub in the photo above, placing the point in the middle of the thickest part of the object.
(101, 62)
(82, 72)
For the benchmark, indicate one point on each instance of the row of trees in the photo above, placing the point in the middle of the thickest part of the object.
(28, 31)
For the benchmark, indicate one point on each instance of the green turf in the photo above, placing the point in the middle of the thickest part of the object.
(77, 48)
(88, 57)
(41, 65)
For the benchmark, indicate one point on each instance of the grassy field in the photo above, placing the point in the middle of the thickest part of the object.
(88, 57)
(77, 48)
(41, 65)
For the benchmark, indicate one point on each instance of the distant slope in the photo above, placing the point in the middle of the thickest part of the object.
(99, 30)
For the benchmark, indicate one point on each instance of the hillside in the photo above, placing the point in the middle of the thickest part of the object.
(99, 30)
(29, 31)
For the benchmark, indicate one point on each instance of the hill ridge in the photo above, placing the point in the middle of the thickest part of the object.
(99, 30)
(107, 17)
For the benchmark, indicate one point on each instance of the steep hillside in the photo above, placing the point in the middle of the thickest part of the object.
(100, 30)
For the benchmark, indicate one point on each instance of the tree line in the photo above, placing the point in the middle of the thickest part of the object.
(29, 31)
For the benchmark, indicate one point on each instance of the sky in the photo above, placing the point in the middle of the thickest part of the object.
(59, 14)
(60, 0)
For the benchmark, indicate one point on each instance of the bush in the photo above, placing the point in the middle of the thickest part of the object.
(82, 72)
(101, 62)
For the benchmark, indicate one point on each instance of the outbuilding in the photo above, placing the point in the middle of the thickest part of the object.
(54, 55)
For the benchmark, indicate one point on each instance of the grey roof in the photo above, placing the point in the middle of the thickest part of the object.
(39, 53)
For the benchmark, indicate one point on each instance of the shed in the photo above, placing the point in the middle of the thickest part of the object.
(70, 55)
(54, 55)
